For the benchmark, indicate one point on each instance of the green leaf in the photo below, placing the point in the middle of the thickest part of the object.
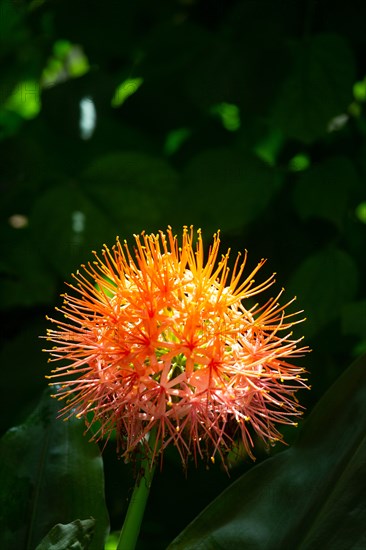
(12, 31)
(318, 88)
(325, 282)
(27, 383)
(229, 186)
(310, 496)
(354, 319)
(136, 190)
(26, 280)
(324, 190)
(73, 536)
(49, 473)
(66, 225)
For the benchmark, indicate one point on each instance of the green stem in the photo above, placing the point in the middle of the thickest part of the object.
(136, 508)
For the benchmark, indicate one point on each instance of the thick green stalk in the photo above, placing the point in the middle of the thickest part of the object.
(136, 508)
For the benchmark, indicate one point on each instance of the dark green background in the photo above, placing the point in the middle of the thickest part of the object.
(244, 116)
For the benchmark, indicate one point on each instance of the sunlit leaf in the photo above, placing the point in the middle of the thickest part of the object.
(125, 89)
(175, 139)
(229, 115)
(25, 99)
(361, 211)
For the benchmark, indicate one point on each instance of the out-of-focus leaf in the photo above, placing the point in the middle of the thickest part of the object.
(73, 536)
(354, 319)
(318, 88)
(324, 190)
(12, 31)
(20, 55)
(136, 190)
(49, 473)
(325, 281)
(112, 541)
(66, 225)
(27, 384)
(249, 48)
(10, 123)
(310, 496)
(229, 186)
(168, 66)
(25, 280)
(125, 23)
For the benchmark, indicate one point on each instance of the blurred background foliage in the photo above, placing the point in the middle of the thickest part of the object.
(116, 117)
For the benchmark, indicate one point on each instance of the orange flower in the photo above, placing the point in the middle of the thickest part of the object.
(160, 339)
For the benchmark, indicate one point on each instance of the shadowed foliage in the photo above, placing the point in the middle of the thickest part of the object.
(118, 117)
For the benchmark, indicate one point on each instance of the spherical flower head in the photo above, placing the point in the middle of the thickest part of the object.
(159, 339)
